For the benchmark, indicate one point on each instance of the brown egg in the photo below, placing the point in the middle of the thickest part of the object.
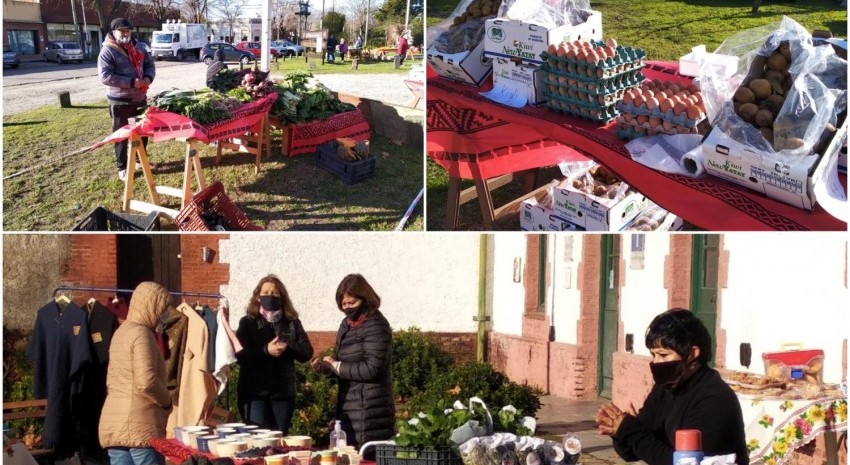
(627, 117)
(611, 52)
(682, 130)
(562, 52)
(680, 108)
(667, 126)
(627, 98)
(552, 50)
(698, 96)
(667, 84)
(592, 57)
(581, 55)
(674, 87)
(562, 79)
(638, 101)
(571, 53)
(654, 122)
(578, 43)
(647, 93)
(692, 88)
(651, 103)
(552, 89)
(693, 112)
(656, 82)
(665, 104)
(612, 42)
(641, 120)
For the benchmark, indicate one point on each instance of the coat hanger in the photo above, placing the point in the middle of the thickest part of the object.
(62, 299)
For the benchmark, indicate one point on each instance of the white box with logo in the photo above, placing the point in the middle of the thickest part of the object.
(536, 217)
(510, 38)
(516, 85)
(470, 66)
(594, 214)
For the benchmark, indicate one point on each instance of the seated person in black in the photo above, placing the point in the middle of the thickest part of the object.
(216, 66)
(687, 395)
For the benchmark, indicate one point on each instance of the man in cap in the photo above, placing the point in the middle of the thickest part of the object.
(127, 70)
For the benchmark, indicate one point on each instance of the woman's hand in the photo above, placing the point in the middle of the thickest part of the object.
(320, 366)
(275, 347)
(609, 418)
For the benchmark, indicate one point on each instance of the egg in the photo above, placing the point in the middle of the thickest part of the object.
(641, 120)
(694, 113)
(552, 77)
(592, 57)
(562, 52)
(581, 55)
(682, 130)
(627, 117)
(698, 96)
(693, 100)
(611, 52)
(562, 79)
(651, 103)
(578, 43)
(612, 42)
(551, 50)
(648, 93)
(680, 108)
(571, 54)
(551, 89)
(674, 87)
(638, 101)
(665, 105)
(692, 88)
(654, 122)
(656, 82)
(667, 126)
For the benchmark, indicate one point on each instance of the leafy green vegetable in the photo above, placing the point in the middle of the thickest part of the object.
(314, 100)
(203, 105)
(434, 428)
(509, 420)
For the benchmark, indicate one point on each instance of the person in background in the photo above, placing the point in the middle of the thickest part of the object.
(331, 48)
(137, 402)
(343, 49)
(272, 339)
(358, 44)
(687, 394)
(127, 70)
(216, 66)
(402, 48)
(363, 364)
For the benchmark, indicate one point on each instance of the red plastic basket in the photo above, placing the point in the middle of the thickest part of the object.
(213, 201)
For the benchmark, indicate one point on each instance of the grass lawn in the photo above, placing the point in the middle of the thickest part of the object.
(364, 67)
(666, 29)
(289, 193)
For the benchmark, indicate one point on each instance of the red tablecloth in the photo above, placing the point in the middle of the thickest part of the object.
(455, 112)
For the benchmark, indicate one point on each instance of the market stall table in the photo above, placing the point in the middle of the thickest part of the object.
(708, 202)
(161, 125)
(776, 427)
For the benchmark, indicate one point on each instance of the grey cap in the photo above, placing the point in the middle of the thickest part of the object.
(121, 23)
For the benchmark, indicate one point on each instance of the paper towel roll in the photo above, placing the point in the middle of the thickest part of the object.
(692, 162)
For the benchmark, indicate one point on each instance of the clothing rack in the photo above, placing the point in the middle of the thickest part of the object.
(130, 291)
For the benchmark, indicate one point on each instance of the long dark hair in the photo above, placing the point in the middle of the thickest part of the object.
(286, 304)
(356, 285)
(678, 329)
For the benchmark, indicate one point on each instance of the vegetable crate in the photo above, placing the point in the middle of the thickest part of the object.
(210, 210)
(101, 219)
(351, 172)
(388, 454)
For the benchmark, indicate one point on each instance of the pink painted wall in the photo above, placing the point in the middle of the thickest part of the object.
(520, 359)
(632, 379)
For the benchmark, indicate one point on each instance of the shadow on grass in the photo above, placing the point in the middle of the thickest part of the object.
(24, 123)
(91, 107)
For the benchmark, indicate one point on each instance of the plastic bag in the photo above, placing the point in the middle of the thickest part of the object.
(594, 180)
(669, 154)
(808, 105)
(473, 428)
(550, 14)
(464, 28)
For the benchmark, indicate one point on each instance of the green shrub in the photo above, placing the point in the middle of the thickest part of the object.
(416, 359)
(475, 379)
(18, 378)
(315, 403)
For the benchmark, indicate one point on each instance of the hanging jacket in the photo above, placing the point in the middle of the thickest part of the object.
(365, 403)
(176, 327)
(137, 403)
(260, 374)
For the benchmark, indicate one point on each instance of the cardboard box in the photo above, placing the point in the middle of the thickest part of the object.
(470, 67)
(536, 217)
(789, 183)
(587, 212)
(516, 85)
(510, 38)
(724, 65)
(671, 223)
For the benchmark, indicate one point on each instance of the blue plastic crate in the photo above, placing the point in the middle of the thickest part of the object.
(350, 171)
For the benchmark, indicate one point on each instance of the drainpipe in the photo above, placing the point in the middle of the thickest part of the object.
(551, 338)
(481, 318)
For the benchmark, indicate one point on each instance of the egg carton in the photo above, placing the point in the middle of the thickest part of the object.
(608, 91)
(632, 129)
(613, 84)
(586, 73)
(628, 59)
(600, 98)
(602, 114)
(681, 119)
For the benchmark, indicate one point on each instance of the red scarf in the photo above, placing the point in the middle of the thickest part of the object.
(137, 58)
(358, 322)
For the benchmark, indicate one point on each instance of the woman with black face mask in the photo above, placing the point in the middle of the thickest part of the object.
(273, 340)
(687, 394)
(363, 364)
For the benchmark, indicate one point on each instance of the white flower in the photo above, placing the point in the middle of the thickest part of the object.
(413, 422)
(510, 408)
(458, 405)
(447, 411)
(422, 415)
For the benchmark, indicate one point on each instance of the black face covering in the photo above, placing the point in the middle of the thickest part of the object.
(354, 313)
(672, 374)
(270, 303)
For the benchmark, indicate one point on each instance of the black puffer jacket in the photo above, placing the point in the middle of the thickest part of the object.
(365, 403)
(260, 374)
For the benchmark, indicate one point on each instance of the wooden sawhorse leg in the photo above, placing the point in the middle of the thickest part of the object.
(193, 163)
(137, 149)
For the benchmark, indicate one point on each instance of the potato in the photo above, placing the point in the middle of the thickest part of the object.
(748, 112)
(764, 119)
(790, 143)
(785, 50)
(777, 61)
(744, 95)
(761, 88)
(773, 103)
(600, 191)
(768, 134)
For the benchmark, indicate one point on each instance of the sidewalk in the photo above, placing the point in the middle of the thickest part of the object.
(558, 416)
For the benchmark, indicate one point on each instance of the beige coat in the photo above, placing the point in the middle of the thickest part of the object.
(137, 400)
(198, 388)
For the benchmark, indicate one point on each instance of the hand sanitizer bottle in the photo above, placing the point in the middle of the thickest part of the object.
(688, 447)
(338, 439)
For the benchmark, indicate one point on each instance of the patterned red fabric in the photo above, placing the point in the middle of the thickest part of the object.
(710, 203)
(175, 452)
(164, 125)
(304, 138)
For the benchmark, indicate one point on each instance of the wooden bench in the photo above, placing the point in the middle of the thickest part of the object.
(26, 409)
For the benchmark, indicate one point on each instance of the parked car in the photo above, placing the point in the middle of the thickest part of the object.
(10, 58)
(146, 44)
(256, 49)
(231, 53)
(63, 51)
(287, 48)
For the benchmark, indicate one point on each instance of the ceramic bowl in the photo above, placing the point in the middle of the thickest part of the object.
(279, 459)
(203, 442)
(231, 425)
(247, 428)
(213, 445)
(193, 438)
(239, 436)
(185, 431)
(264, 441)
(227, 449)
(224, 432)
(298, 441)
(274, 434)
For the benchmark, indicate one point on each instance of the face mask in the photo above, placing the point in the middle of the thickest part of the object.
(354, 313)
(270, 303)
(665, 372)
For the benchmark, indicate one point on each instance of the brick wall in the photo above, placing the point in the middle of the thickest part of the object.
(588, 325)
(520, 359)
(632, 379)
(93, 263)
(197, 275)
(572, 373)
(531, 278)
(677, 271)
(722, 282)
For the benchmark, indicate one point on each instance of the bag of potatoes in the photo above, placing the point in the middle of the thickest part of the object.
(787, 95)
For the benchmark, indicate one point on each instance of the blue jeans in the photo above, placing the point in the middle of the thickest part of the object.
(134, 456)
(268, 413)
(330, 56)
